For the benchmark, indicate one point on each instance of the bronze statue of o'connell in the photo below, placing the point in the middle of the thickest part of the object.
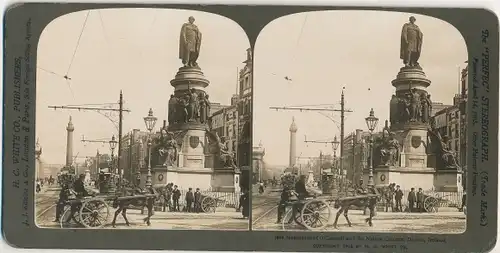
(411, 43)
(189, 44)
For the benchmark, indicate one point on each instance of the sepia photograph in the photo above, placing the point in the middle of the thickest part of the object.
(143, 120)
(360, 124)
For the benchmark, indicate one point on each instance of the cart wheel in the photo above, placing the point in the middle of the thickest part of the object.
(291, 223)
(66, 222)
(316, 214)
(208, 205)
(94, 213)
(430, 204)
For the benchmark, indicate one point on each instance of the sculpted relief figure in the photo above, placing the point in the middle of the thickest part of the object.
(426, 107)
(394, 115)
(204, 108)
(411, 43)
(414, 105)
(172, 110)
(193, 105)
(227, 157)
(189, 44)
(167, 149)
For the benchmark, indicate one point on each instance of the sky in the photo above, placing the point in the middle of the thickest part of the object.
(322, 52)
(133, 50)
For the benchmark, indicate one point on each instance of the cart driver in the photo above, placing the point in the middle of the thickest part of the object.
(300, 188)
(79, 186)
(361, 189)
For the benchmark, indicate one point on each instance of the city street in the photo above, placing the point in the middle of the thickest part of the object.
(265, 216)
(223, 218)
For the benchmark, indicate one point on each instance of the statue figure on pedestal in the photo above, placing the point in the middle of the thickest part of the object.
(189, 44)
(172, 110)
(393, 148)
(167, 148)
(226, 156)
(415, 105)
(193, 113)
(204, 105)
(394, 115)
(183, 113)
(388, 147)
(406, 105)
(448, 156)
(426, 107)
(411, 43)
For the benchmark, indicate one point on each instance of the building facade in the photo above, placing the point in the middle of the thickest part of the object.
(134, 150)
(233, 122)
(451, 121)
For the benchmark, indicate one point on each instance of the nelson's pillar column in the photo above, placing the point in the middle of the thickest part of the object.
(293, 143)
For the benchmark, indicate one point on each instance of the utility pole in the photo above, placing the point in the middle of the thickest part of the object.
(342, 111)
(354, 141)
(120, 129)
(99, 110)
(320, 167)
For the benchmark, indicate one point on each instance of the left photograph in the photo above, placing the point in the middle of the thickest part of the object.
(143, 121)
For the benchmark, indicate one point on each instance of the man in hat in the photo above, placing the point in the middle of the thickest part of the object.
(411, 43)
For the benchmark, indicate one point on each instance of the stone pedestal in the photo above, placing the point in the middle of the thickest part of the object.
(448, 180)
(417, 167)
(195, 166)
(405, 177)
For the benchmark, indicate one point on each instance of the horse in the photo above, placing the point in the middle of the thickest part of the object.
(369, 201)
(137, 199)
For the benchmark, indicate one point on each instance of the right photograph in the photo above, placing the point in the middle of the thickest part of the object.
(360, 124)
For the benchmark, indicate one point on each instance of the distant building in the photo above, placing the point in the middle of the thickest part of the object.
(257, 163)
(233, 122)
(134, 150)
(451, 121)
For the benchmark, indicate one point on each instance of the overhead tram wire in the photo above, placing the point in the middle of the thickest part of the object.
(299, 38)
(66, 76)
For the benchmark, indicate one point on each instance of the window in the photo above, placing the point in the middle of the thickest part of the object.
(457, 147)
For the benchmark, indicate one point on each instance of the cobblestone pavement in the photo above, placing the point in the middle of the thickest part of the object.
(222, 219)
(45, 202)
(264, 216)
(446, 222)
(264, 208)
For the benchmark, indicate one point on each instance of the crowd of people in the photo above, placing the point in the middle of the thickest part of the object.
(41, 182)
(170, 196)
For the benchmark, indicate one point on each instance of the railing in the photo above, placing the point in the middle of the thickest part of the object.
(445, 199)
(224, 199)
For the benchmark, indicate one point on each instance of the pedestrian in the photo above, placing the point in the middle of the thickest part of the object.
(398, 196)
(242, 197)
(464, 201)
(246, 204)
(412, 198)
(189, 200)
(61, 203)
(176, 195)
(38, 187)
(420, 200)
(285, 197)
(197, 200)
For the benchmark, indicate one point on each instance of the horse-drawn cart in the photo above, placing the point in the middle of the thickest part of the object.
(209, 204)
(432, 203)
(93, 210)
(315, 213)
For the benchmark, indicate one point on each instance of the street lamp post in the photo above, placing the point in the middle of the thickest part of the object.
(150, 122)
(371, 122)
(112, 146)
